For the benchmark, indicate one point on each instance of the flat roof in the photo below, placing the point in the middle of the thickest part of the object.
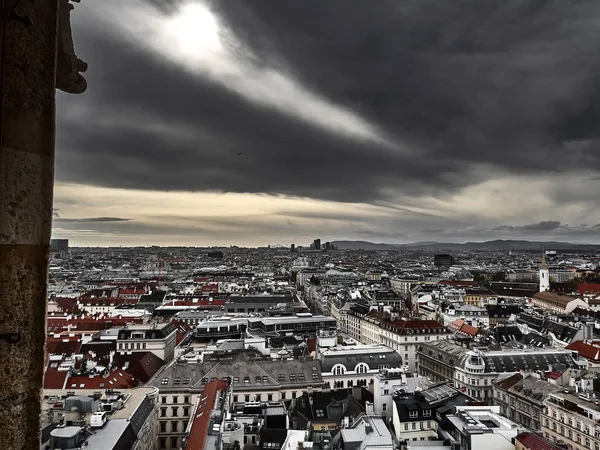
(291, 319)
(136, 396)
(107, 437)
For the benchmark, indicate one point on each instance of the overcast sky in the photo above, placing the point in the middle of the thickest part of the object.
(278, 121)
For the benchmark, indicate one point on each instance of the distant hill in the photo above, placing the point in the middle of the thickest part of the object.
(364, 245)
(498, 245)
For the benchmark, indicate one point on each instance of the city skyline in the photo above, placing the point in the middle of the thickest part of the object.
(218, 123)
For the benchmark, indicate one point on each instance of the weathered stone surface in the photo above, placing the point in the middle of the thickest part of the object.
(26, 182)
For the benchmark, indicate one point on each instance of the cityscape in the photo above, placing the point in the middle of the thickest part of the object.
(299, 225)
(320, 346)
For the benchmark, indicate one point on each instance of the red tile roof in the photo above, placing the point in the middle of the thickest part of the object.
(588, 351)
(119, 379)
(138, 291)
(63, 346)
(66, 304)
(533, 441)
(182, 330)
(53, 379)
(460, 326)
(584, 288)
(108, 301)
(141, 365)
(509, 382)
(199, 429)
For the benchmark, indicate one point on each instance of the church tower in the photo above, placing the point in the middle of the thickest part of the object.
(544, 274)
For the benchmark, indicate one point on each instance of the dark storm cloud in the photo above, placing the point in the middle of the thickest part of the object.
(461, 84)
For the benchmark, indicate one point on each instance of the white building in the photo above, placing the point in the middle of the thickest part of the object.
(356, 365)
(159, 339)
(481, 427)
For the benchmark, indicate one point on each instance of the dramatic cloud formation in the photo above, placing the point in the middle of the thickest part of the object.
(418, 119)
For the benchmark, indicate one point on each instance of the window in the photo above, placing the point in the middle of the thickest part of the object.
(174, 410)
(163, 412)
(186, 411)
(270, 397)
(164, 381)
(235, 398)
(414, 425)
(186, 380)
(174, 442)
(293, 395)
(246, 379)
(174, 426)
(283, 396)
(386, 392)
(164, 399)
(163, 427)
(247, 398)
(186, 399)
(384, 407)
(175, 399)
(413, 414)
(405, 427)
(235, 379)
(163, 442)
(177, 380)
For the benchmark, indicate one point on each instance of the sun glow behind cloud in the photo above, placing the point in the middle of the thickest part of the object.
(193, 39)
(194, 30)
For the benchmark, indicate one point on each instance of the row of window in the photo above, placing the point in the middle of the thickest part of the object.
(174, 428)
(132, 346)
(174, 441)
(175, 399)
(567, 433)
(413, 425)
(174, 411)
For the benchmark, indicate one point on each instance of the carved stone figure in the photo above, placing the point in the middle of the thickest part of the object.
(68, 65)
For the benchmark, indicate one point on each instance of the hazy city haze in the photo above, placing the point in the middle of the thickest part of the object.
(257, 122)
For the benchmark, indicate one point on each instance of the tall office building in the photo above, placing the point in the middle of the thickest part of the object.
(443, 260)
(317, 244)
(59, 245)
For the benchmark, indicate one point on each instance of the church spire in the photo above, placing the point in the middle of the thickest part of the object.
(544, 274)
(544, 263)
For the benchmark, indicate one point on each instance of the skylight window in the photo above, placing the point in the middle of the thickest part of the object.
(164, 381)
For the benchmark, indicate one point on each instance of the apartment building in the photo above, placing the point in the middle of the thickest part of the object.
(521, 398)
(417, 417)
(478, 369)
(157, 338)
(388, 383)
(437, 360)
(572, 421)
(356, 365)
(253, 378)
(480, 427)
(405, 335)
(558, 303)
